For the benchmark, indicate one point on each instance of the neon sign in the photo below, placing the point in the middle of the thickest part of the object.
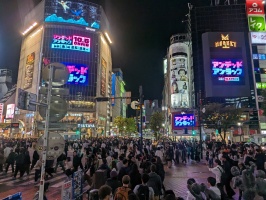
(185, 120)
(225, 42)
(227, 70)
(76, 43)
(78, 74)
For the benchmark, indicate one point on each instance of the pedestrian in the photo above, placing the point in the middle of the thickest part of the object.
(38, 168)
(19, 163)
(122, 192)
(60, 162)
(143, 191)
(26, 165)
(2, 160)
(113, 182)
(135, 176)
(217, 170)
(105, 192)
(10, 160)
(35, 158)
(155, 182)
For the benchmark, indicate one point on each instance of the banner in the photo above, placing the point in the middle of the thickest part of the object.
(77, 184)
(66, 192)
(29, 71)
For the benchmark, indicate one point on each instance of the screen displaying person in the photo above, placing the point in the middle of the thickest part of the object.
(182, 75)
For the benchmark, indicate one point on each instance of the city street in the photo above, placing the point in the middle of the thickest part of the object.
(176, 179)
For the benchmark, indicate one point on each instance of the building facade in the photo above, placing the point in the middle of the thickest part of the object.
(220, 38)
(74, 33)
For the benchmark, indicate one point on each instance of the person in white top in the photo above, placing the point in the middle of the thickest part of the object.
(212, 186)
(159, 153)
(217, 170)
(190, 182)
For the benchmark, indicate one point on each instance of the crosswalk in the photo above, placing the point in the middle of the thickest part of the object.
(28, 180)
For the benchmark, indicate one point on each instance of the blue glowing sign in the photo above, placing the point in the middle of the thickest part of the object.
(78, 74)
(184, 120)
(75, 42)
(226, 71)
(73, 12)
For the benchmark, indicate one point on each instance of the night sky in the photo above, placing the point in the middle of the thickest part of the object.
(140, 31)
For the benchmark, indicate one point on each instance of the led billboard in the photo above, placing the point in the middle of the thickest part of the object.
(73, 12)
(78, 74)
(225, 65)
(227, 71)
(184, 120)
(80, 57)
(73, 42)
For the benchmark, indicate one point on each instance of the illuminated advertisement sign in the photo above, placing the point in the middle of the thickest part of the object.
(179, 76)
(103, 77)
(1, 111)
(29, 69)
(184, 120)
(225, 42)
(78, 74)
(258, 38)
(256, 23)
(227, 70)
(76, 43)
(260, 85)
(73, 12)
(255, 7)
(10, 109)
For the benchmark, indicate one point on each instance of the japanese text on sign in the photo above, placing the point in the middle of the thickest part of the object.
(227, 70)
(184, 120)
(77, 43)
(255, 7)
(78, 74)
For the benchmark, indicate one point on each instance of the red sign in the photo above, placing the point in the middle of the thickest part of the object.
(255, 7)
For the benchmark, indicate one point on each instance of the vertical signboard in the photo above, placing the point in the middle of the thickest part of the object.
(10, 109)
(29, 69)
(1, 111)
(179, 76)
(77, 185)
(103, 77)
(256, 15)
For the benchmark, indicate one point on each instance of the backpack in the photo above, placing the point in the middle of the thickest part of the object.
(143, 192)
(122, 193)
(20, 159)
(223, 176)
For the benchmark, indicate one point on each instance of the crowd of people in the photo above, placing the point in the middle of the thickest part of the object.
(137, 172)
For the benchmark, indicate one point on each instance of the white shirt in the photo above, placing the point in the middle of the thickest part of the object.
(159, 153)
(217, 171)
(216, 191)
(7, 151)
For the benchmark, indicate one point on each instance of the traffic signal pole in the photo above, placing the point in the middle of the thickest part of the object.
(46, 135)
(141, 123)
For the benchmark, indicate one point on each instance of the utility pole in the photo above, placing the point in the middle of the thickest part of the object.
(199, 115)
(140, 104)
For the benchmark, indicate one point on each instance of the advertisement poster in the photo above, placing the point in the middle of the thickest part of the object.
(77, 184)
(179, 82)
(10, 110)
(1, 111)
(66, 192)
(103, 77)
(78, 74)
(29, 69)
(73, 12)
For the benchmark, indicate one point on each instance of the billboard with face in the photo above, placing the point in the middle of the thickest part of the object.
(179, 76)
(225, 65)
(77, 12)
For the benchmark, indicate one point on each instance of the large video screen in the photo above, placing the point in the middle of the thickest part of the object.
(184, 120)
(227, 71)
(73, 12)
(78, 73)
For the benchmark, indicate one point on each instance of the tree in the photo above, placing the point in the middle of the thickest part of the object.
(130, 125)
(221, 117)
(120, 123)
(156, 122)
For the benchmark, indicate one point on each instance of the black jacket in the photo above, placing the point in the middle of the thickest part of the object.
(113, 183)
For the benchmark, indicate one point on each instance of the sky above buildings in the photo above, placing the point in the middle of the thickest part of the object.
(140, 31)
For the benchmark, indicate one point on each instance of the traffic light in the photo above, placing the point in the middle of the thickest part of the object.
(194, 132)
(77, 132)
(216, 132)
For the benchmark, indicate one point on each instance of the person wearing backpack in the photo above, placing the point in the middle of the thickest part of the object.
(143, 191)
(155, 182)
(122, 193)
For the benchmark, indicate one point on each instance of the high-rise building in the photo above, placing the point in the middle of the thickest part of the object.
(178, 93)
(74, 33)
(221, 59)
